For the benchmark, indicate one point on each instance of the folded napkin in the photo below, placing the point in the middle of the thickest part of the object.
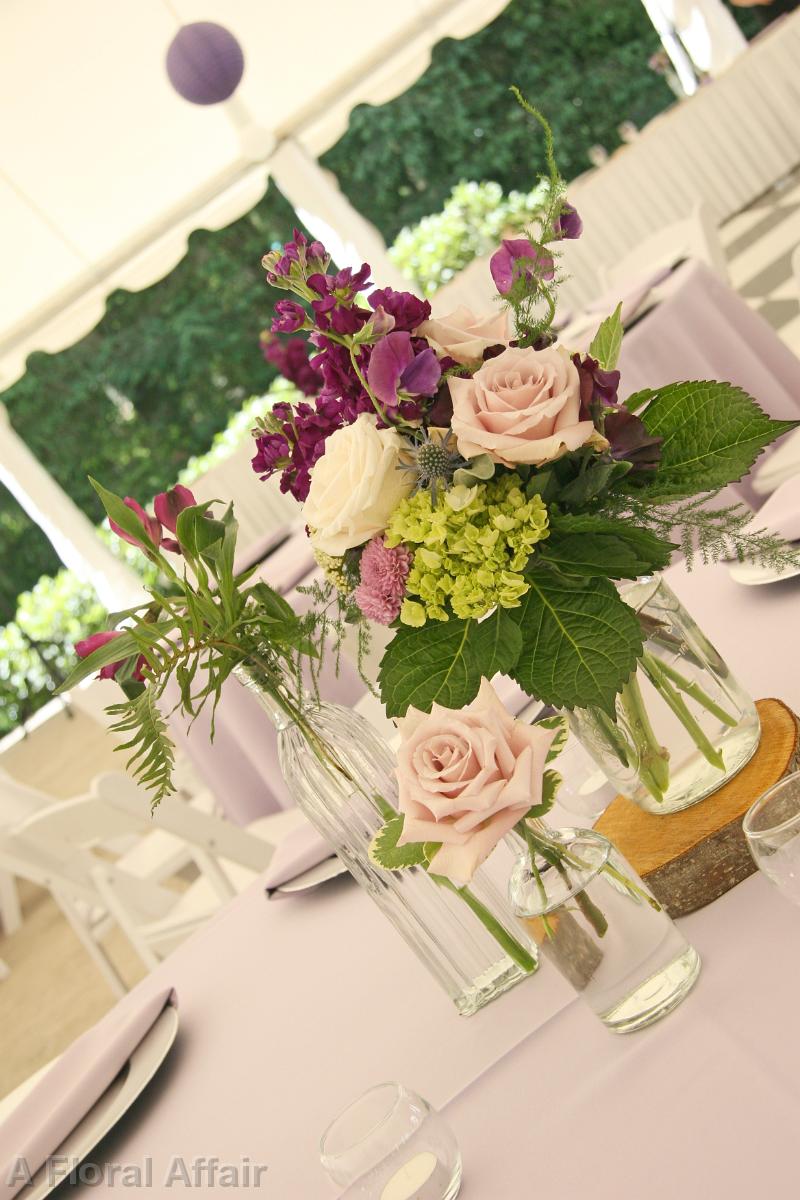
(781, 512)
(780, 465)
(299, 851)
(73, 1085)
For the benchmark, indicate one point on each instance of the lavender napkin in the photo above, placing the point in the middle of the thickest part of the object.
(73, 1085)
(301, 850)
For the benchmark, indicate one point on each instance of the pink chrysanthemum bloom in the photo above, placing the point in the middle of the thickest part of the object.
(384, 572)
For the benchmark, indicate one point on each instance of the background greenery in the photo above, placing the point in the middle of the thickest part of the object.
(167, 368)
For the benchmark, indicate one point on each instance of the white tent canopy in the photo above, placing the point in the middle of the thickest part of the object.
(105, 170)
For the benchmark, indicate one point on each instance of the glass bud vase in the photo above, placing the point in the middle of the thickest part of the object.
(683, 725)
(595, 920)
(341, 774)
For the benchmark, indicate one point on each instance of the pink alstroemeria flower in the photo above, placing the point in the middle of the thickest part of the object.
(168, 506)
(150, 525)
(88, 646)
(396, 365)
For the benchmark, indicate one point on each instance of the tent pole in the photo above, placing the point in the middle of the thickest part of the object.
(315, 196)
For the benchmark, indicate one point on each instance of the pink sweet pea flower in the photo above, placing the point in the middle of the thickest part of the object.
(517, 257)
(396, 365)
(88, 646)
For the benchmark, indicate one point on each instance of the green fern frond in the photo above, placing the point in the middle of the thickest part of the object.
(153, 757)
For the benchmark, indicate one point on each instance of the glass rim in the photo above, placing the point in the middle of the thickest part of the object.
(398, 1092)
(601, 843)
(758, 805)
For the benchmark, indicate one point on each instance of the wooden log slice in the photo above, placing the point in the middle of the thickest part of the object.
(692, 857)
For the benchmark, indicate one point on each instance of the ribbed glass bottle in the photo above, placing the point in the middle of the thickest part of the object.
(341, 774)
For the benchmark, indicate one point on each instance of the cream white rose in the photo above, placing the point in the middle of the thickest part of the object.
(464, 336)
(355, 486)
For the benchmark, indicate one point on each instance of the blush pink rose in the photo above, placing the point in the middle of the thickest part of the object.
(521, 407)
(466, 777)
(464, 336)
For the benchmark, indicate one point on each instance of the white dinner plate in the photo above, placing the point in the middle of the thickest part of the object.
(752, 575)
(115, 1100)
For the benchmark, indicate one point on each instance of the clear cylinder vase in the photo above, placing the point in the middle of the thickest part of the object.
(341, 774)
(595, 920)
(683, 724)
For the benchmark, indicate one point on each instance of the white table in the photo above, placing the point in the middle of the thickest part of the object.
(289, 1010)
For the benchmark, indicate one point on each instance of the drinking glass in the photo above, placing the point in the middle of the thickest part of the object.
(772, 828)
(391, 1145)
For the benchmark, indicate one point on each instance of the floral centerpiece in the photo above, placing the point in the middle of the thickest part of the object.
(481, 489)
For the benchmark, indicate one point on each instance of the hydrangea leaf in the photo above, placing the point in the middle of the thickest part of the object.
(385, 852)
(607, 342)
(712, 434)
(496, 642)
(595, 546)
(580, 641)
(433, 664)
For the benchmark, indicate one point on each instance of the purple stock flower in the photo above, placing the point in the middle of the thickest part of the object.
(295, 441)
(396, 364)
(289, 317)
(292, 360)
(568, 224)
(407, 309)
(518, 258)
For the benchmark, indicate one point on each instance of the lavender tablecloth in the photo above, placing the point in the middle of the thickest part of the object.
(702, 329)
(291, 1009)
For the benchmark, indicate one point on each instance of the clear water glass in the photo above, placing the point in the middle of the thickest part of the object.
(390, 1144)
(772, 829)
(684, 725)
(595, 920)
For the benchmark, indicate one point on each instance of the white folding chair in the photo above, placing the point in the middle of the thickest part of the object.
(16, 802)
(57, 848)
(695, 237)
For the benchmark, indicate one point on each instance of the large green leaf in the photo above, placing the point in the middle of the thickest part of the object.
(435, 664)
(607, 341)
(496, 643)
(580, 642)
(594, 546)
(712, 434)
(595, 480)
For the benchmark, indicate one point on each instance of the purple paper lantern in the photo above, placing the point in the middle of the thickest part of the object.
(205, 63)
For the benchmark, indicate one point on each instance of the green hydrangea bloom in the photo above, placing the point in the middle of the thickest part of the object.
(470, 548)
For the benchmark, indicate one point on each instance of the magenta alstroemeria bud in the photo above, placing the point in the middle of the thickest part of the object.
(169, 505)
(88, 646)
(150, 525)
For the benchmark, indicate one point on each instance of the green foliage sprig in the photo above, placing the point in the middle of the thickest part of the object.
(206, 623)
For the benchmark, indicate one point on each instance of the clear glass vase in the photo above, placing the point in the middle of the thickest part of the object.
(683, 725)
(341, 774)
(594, 919)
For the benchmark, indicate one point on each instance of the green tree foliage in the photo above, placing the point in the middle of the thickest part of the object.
(36, 649)
(581, 62)
(149, 387)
